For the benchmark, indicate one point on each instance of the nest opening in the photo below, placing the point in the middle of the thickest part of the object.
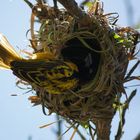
(86, 59)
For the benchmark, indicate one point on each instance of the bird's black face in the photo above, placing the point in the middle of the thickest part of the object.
(86, 59)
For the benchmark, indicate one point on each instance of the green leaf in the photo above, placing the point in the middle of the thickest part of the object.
(89, 4)
(116, 36)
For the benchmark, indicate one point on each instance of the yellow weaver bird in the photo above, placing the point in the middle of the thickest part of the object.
(43, 70)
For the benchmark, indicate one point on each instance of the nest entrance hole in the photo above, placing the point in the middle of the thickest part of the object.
(86, 59)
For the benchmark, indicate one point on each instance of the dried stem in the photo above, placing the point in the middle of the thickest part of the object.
(78, 131)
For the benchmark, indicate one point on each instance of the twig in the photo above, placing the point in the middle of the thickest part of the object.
(72, 7)
(55, 4)
(91, 133)
(75, 11)
(59, 128)
(75, 130)
(59, 138)
(122, 121)
(132, 70)
(29, 3)
(78, 131)
(40, 1)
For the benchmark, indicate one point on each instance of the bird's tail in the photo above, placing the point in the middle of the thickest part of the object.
(7, 53)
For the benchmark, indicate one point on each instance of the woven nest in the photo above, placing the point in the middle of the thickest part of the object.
(109, 48)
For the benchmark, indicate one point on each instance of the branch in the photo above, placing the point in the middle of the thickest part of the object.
(75, 11)
(103, 127)
(72, 8)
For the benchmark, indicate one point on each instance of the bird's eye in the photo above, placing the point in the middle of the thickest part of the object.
(67, 73)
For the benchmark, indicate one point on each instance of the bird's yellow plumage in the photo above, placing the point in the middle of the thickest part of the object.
(7, 53)
(43, 70)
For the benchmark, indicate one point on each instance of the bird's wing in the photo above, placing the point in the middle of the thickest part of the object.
(52, 75)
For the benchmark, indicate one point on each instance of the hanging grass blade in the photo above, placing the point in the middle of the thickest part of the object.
(90, 132)
(75, 130)
(78, 131)
(46, 125)
(122, 120)
(29, 3)
(132, 70)
(66, 131)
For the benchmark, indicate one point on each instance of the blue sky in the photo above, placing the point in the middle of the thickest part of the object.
(18, 119)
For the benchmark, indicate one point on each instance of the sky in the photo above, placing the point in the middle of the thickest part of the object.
(18, 119)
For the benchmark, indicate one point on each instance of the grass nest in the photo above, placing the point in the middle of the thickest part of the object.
(101, 51)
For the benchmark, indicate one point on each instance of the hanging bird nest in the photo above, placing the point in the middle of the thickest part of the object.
(101, 50)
